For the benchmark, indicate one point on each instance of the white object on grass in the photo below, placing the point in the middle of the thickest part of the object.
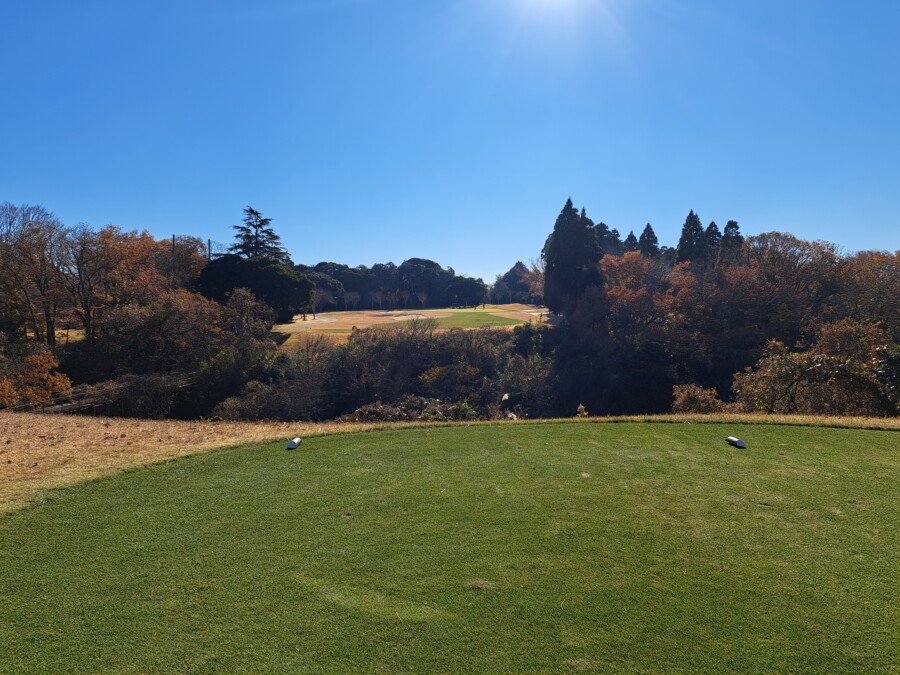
(294, 444)
(736, 442)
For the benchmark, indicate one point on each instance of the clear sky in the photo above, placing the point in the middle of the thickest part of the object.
(376, 130)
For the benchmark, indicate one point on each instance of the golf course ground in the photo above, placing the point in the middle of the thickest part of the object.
(339, 325)
(553, 547)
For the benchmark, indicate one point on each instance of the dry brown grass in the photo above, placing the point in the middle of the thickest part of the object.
(38, 452)
(296, 341)
(876, 423)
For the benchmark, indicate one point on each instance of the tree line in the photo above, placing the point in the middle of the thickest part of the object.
(83, 305)
(417, 283)
(770, 323)
(767, 323)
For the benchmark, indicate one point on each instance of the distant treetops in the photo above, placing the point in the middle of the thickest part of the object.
(699, 245)
(416, 283)
(572, 252)
(258, 261)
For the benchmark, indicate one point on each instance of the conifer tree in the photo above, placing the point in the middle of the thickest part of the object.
(692, 243)
(713, 238)
(608, 240)
(732, 237)
(586, 221)
(256, 239)
(631, 242)
(732, 240)
(614, 244)
(648, 244)
(571, 257)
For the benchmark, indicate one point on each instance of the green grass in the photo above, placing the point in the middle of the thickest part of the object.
(476, 320)
(358, 553)
(460, 320)
(457, 320)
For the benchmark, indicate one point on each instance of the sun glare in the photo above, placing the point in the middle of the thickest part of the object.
(558, 22)
(550, 14)
(551, 31)
(560, 6)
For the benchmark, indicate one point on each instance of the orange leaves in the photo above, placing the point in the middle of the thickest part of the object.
(32, 381)
(9, 397)
(631, 271)
(133, 274)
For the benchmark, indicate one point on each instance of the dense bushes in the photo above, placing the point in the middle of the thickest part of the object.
(689, 398)
(416, 372)
(281, 287)
(849, 369)
(841, 373)
(410, 372)
(412, 409)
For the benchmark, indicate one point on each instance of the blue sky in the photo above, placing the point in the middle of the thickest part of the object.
(375, 130)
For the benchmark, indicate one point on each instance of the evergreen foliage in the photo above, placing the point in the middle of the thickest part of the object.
(713, 238)
(648, 244)
(570, 254)
(631, 243)
(255, 238)
(512, 285)
(692, 243)
(282, 288)
(730, 245)
(732, 237)
(608, 239)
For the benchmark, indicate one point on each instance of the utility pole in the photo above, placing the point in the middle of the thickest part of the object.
(173, 261)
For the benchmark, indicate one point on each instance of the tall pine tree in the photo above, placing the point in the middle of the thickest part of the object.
(730, 246)
(648, 244)
(571, 256)
(692, 243)
(713, 237)
(255, 238)
(631, 242)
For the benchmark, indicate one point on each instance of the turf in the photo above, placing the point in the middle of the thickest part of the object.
(517, 548)
(476, 320)
(463, 320)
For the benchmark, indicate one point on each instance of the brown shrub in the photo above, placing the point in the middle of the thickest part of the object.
(691, 398)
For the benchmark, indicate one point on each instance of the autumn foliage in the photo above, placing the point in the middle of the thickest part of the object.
(30, 381)
(766, 324)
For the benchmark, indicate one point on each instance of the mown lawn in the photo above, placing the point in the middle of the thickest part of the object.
(476, 320)
(516, 548)
(462, 320)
